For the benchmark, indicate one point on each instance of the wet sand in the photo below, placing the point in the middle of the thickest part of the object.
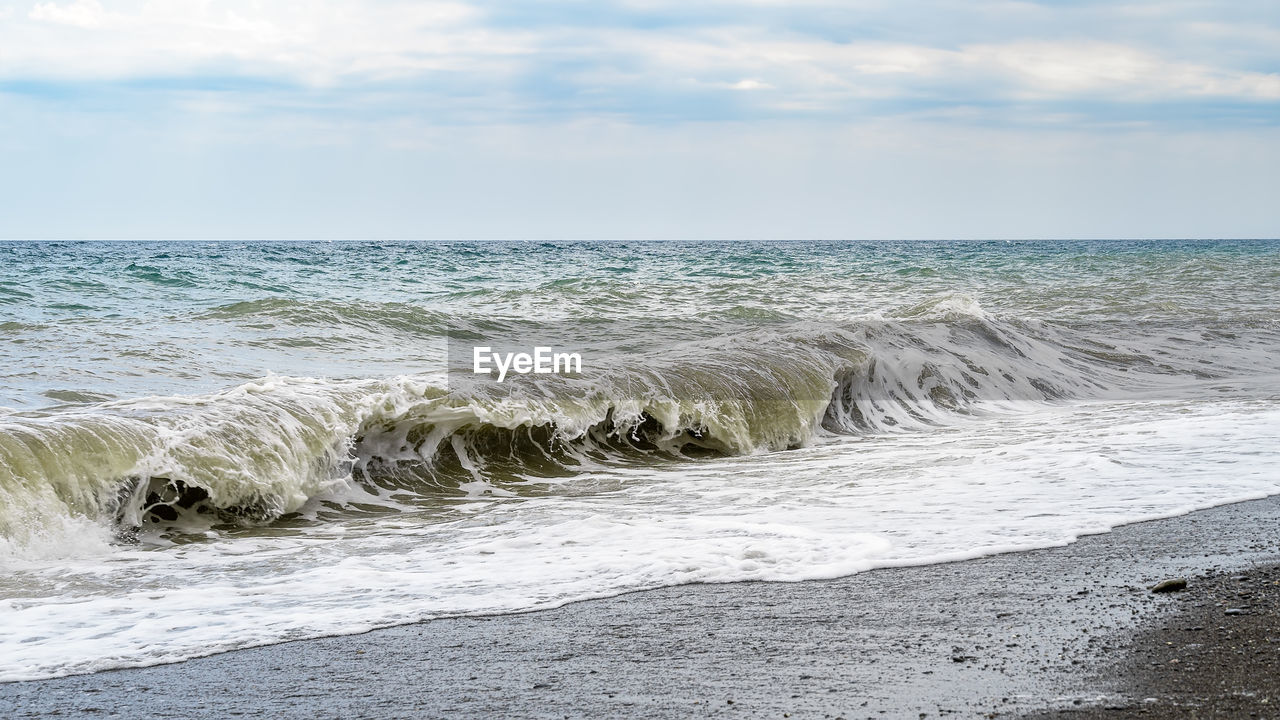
(1071, 630)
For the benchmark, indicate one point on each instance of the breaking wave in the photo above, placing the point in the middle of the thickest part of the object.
(280, 445)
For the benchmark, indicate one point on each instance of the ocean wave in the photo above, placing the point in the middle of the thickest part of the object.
(266, 449)
(379, 317)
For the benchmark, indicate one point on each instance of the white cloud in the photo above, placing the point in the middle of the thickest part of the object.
(317, 42)
(1023, 70)
(79, 13)
(1055, 69)
(360, 43)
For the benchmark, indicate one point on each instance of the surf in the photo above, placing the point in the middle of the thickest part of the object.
(263, 450)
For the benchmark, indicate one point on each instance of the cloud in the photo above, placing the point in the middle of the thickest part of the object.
(80, 13)
(655, 60)
(1059, 69)
(313, 43)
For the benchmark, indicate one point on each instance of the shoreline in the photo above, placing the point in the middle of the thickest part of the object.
(1002, 635)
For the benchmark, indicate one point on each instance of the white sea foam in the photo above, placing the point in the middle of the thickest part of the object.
(990, 484)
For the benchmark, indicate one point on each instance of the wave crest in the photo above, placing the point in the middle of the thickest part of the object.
(266, 449)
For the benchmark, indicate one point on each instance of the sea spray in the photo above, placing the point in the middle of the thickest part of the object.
(266, 448)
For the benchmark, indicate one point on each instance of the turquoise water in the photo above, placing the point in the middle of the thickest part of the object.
(244, 443)
(119, 319)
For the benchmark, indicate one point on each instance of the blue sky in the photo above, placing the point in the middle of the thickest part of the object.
(638, 119)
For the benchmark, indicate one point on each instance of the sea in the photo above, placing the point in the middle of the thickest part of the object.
(207, 446)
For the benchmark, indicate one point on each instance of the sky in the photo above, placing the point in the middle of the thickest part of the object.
(638, 119)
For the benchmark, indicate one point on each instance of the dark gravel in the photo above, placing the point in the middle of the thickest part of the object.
(1214, 654)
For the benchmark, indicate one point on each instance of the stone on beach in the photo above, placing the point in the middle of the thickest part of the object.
(1171, 585)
